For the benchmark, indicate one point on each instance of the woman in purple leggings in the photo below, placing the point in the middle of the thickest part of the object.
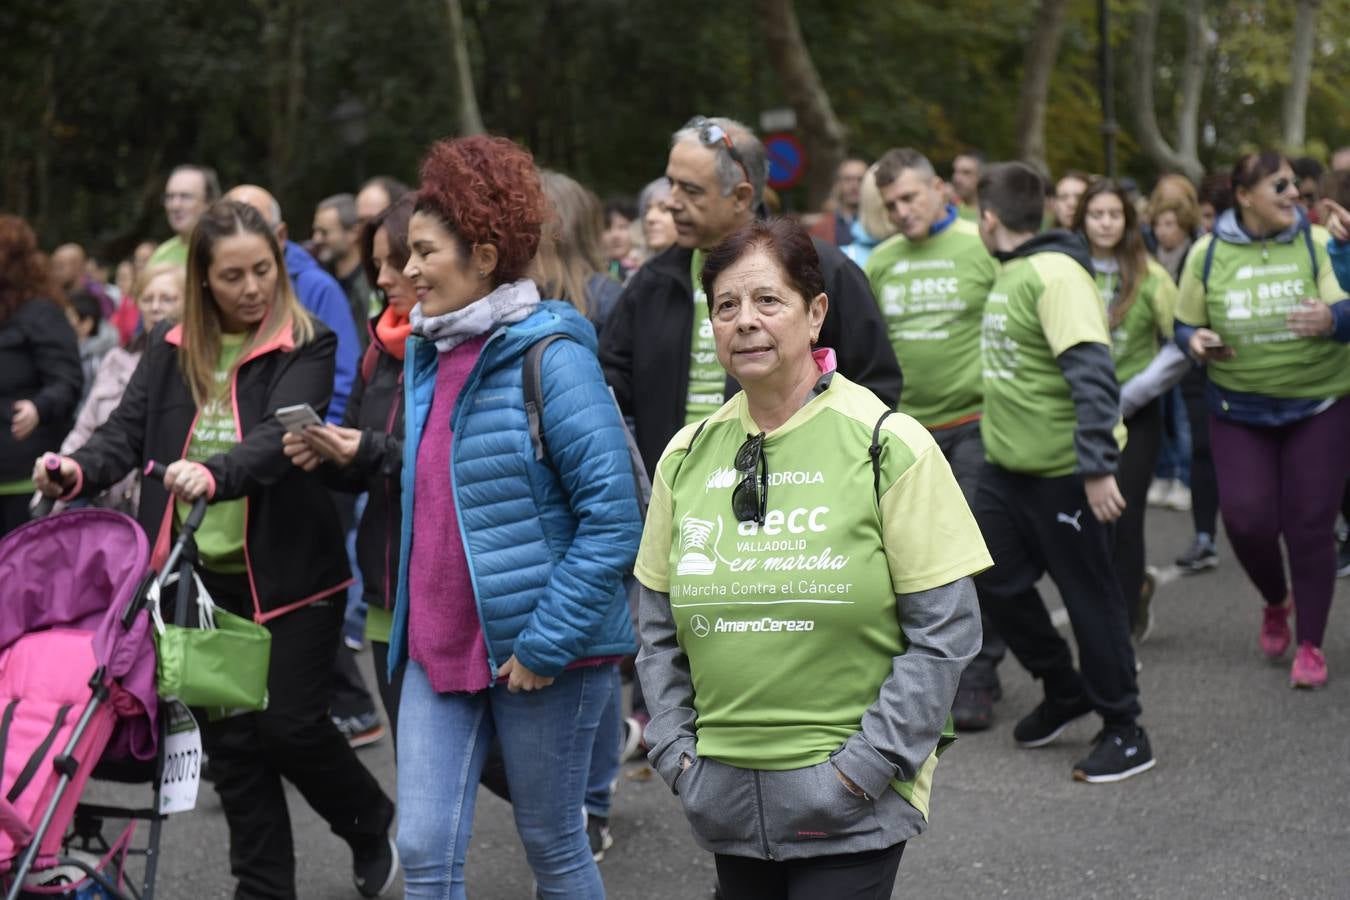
(1260, 304)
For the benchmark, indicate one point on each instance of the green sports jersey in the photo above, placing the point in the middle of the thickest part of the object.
(174, 250)
(791, 627)
(1252, 289)
(1040, 306)
(1134, 342)
(220, 539)
(932, 296)
(707, 378)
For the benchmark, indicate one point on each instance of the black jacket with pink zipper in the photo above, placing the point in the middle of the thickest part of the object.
(294, 544)
(376, 408)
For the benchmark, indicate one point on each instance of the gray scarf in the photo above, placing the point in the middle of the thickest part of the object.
(506, 305)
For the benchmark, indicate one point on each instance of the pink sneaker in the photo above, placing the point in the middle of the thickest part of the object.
(1275, 636)
(1310, 667)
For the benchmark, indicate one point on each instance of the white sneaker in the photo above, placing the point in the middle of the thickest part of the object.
(1179, 497)
(1158, 491)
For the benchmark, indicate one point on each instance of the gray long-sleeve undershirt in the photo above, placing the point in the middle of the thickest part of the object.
(899, 731)
(1091, 376)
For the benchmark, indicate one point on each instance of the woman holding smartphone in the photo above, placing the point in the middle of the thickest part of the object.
(1260, 304)
(205, 396)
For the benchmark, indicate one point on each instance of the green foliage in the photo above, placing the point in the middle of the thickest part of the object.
(104, 98)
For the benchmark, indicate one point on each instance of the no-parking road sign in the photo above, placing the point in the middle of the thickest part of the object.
(787, 161)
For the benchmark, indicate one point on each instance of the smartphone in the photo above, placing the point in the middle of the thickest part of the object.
(297, 418)
(1214, 343)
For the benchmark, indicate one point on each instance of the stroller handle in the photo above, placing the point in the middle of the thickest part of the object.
(156, 470)
(52, 463)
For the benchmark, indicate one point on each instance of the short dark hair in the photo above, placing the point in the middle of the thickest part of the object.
(86, 306)
(1252, 168)
(973, 153)
(1306, 167)
(394, 219)
(1217, 190)
(1015, 192)
(344, 204)
(784, 240)
(897, 160)
(623, 206)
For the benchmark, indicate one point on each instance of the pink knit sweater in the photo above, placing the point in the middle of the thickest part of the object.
(444, 632)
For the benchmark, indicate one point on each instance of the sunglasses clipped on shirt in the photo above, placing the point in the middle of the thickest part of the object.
(750, 499)
(710, 134)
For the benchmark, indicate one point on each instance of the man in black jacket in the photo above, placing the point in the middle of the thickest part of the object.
(664, 371)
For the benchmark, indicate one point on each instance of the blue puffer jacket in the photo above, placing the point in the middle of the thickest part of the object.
(547, 549)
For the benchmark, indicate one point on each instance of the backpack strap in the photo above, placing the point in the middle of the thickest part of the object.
(533, 385)
(1312, 250)
(369, 360)
(1209, 262)
(874, 451)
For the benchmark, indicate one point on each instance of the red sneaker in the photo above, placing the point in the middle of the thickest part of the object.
(1275, 634)
(1310, 667)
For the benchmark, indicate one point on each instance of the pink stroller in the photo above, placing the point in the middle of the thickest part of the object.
(77, 691)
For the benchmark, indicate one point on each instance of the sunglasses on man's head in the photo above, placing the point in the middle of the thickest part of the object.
(710, 134)
(750, 499)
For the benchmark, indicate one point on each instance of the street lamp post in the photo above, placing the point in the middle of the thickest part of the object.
(1106, 76)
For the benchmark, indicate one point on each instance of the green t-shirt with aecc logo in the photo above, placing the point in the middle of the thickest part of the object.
(1040, 306)
(1134, 342)
(790, 628)
(932, 296)
(220, 539)
(707, 378)
(1252, 289)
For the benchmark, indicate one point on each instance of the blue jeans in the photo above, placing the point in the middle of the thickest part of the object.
(1174, 456)
(605, 761)
(546, 739)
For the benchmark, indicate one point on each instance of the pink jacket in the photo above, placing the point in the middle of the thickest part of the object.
(104, 395)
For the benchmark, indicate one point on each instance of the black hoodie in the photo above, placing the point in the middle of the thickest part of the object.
(1088, 368)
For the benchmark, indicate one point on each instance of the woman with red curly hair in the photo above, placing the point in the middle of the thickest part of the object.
(40, 377)
(517, 527)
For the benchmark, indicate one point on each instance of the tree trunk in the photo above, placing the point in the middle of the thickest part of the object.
(1300, 72)
(1037, 65)
(1184, 158)
(470, 120)
(284, 45)
(822, 133)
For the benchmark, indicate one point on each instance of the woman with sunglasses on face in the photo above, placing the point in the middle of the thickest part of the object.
(510, 611)
(1260, 305)
(204, 400)
(1140, 301)
(806, 602)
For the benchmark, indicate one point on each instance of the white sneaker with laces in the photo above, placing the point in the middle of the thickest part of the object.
(1158, 491)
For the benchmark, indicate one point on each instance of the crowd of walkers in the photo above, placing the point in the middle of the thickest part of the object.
(808, 470)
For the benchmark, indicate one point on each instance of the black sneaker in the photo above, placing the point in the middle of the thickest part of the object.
(597, 832)
(1343, 559)
(360, 730)
(973, 709)
(1047, 721)
(374, 872)
(1120, 753)
(1200, 556)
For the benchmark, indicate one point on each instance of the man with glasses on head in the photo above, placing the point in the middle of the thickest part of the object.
(657, 349)
(188, 192)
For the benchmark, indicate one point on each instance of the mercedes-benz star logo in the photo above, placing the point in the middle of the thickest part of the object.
(700, 626)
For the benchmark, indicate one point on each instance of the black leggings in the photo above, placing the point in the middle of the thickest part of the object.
(869, 875)
(1137, 463)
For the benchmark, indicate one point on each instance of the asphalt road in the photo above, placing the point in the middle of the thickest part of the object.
(1249, 797)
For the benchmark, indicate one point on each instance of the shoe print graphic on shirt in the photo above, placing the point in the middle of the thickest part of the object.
(1071, 519)
(698, 554)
